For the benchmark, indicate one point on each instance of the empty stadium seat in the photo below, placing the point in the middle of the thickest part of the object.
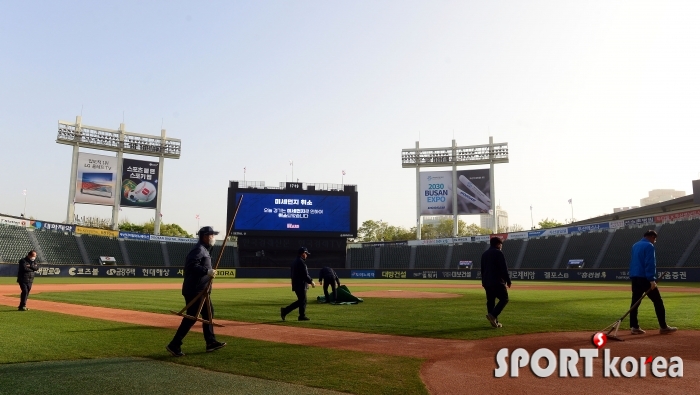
(361, 258)
(144, 253)
(59, 248)
(542, 252)
(14, 243)
(97, 246)
(584, 246)
(431, 257)
(673, 240)
(394, 257)
(619, 251)
(470, 252)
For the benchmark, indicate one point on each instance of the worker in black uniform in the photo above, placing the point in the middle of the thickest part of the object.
(198, 272)
(25, 278)
(300, 284)
(328, 275)
(494, 279)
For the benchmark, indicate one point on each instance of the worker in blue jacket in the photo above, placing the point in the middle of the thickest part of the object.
(643, 276)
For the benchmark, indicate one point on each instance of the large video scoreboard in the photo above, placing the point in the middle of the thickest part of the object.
(293, 211)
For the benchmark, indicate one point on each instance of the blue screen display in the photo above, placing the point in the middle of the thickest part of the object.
(287, 212)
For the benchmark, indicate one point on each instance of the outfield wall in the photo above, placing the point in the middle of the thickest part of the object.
(674, 275)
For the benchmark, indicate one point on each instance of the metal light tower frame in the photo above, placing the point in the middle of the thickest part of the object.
(121, 142)
(485, 154)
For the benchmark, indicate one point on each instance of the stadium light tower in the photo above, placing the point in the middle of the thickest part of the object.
(486, 154)
(119, 141)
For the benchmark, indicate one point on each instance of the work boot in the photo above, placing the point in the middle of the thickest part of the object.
(174, 351)
(637, 331)
(304, 318)
(213, 346)
(667, 330)
(492, 320)
(282, 313)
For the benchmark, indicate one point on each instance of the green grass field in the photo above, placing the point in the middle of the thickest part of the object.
(52, 345)
(42, 336)
(529, 311)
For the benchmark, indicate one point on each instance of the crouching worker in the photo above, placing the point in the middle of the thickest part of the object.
(330, 278)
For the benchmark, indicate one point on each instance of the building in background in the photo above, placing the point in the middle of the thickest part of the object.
(501, 217)
(618, 209)
(660, 195)
(435, 219)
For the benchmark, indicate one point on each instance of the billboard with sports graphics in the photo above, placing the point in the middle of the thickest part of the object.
(96, 177)
(473, 192)
(139, 183)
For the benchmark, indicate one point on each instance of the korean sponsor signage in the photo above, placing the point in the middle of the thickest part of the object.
(13, 221)
(677, 275)
(41, 225)
(394, 274)
(677, 216)
(640, 221)
(517, 235)
(362, 274)
(548, 232)
(81, 230)
(473, 192)
(226, 273)
(172, 239)
(96, 178)
(139, 183)
(134, 236)
(589, 228)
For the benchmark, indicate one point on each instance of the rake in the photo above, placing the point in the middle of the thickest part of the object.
(615, 326)
(204, 296)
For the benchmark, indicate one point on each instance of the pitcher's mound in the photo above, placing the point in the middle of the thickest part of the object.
(401, 294)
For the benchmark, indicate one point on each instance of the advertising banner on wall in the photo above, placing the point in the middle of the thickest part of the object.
(139, 183)
(473, 192)
(81, 230)
(96, 177)
(43, 225)
(13, 221)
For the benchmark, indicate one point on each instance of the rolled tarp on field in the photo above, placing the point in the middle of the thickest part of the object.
(344, 297)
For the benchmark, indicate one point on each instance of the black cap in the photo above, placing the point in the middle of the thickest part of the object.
(302, 250)
(207, 230)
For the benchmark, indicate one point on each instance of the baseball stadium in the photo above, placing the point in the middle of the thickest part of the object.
(269, 198)
(101, 309)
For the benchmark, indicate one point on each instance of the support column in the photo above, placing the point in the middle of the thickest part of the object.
(118, 182)
(159, 187)
(492, 182)
(417, 193)
(70, 214)
(455, 218)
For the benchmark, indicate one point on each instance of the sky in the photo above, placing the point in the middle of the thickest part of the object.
(597, 100)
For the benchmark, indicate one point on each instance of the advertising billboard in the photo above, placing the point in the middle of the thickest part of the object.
(139, 183)
(276, 212)
(473, 192)
(96, 177)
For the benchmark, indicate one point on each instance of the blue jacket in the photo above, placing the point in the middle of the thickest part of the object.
(643, 262)
(197, 265)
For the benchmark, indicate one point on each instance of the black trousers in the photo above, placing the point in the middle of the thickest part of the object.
(26, 288)
(330, 282)
(639, 286)
(494, 292)
(187, 323)
(300, 304)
